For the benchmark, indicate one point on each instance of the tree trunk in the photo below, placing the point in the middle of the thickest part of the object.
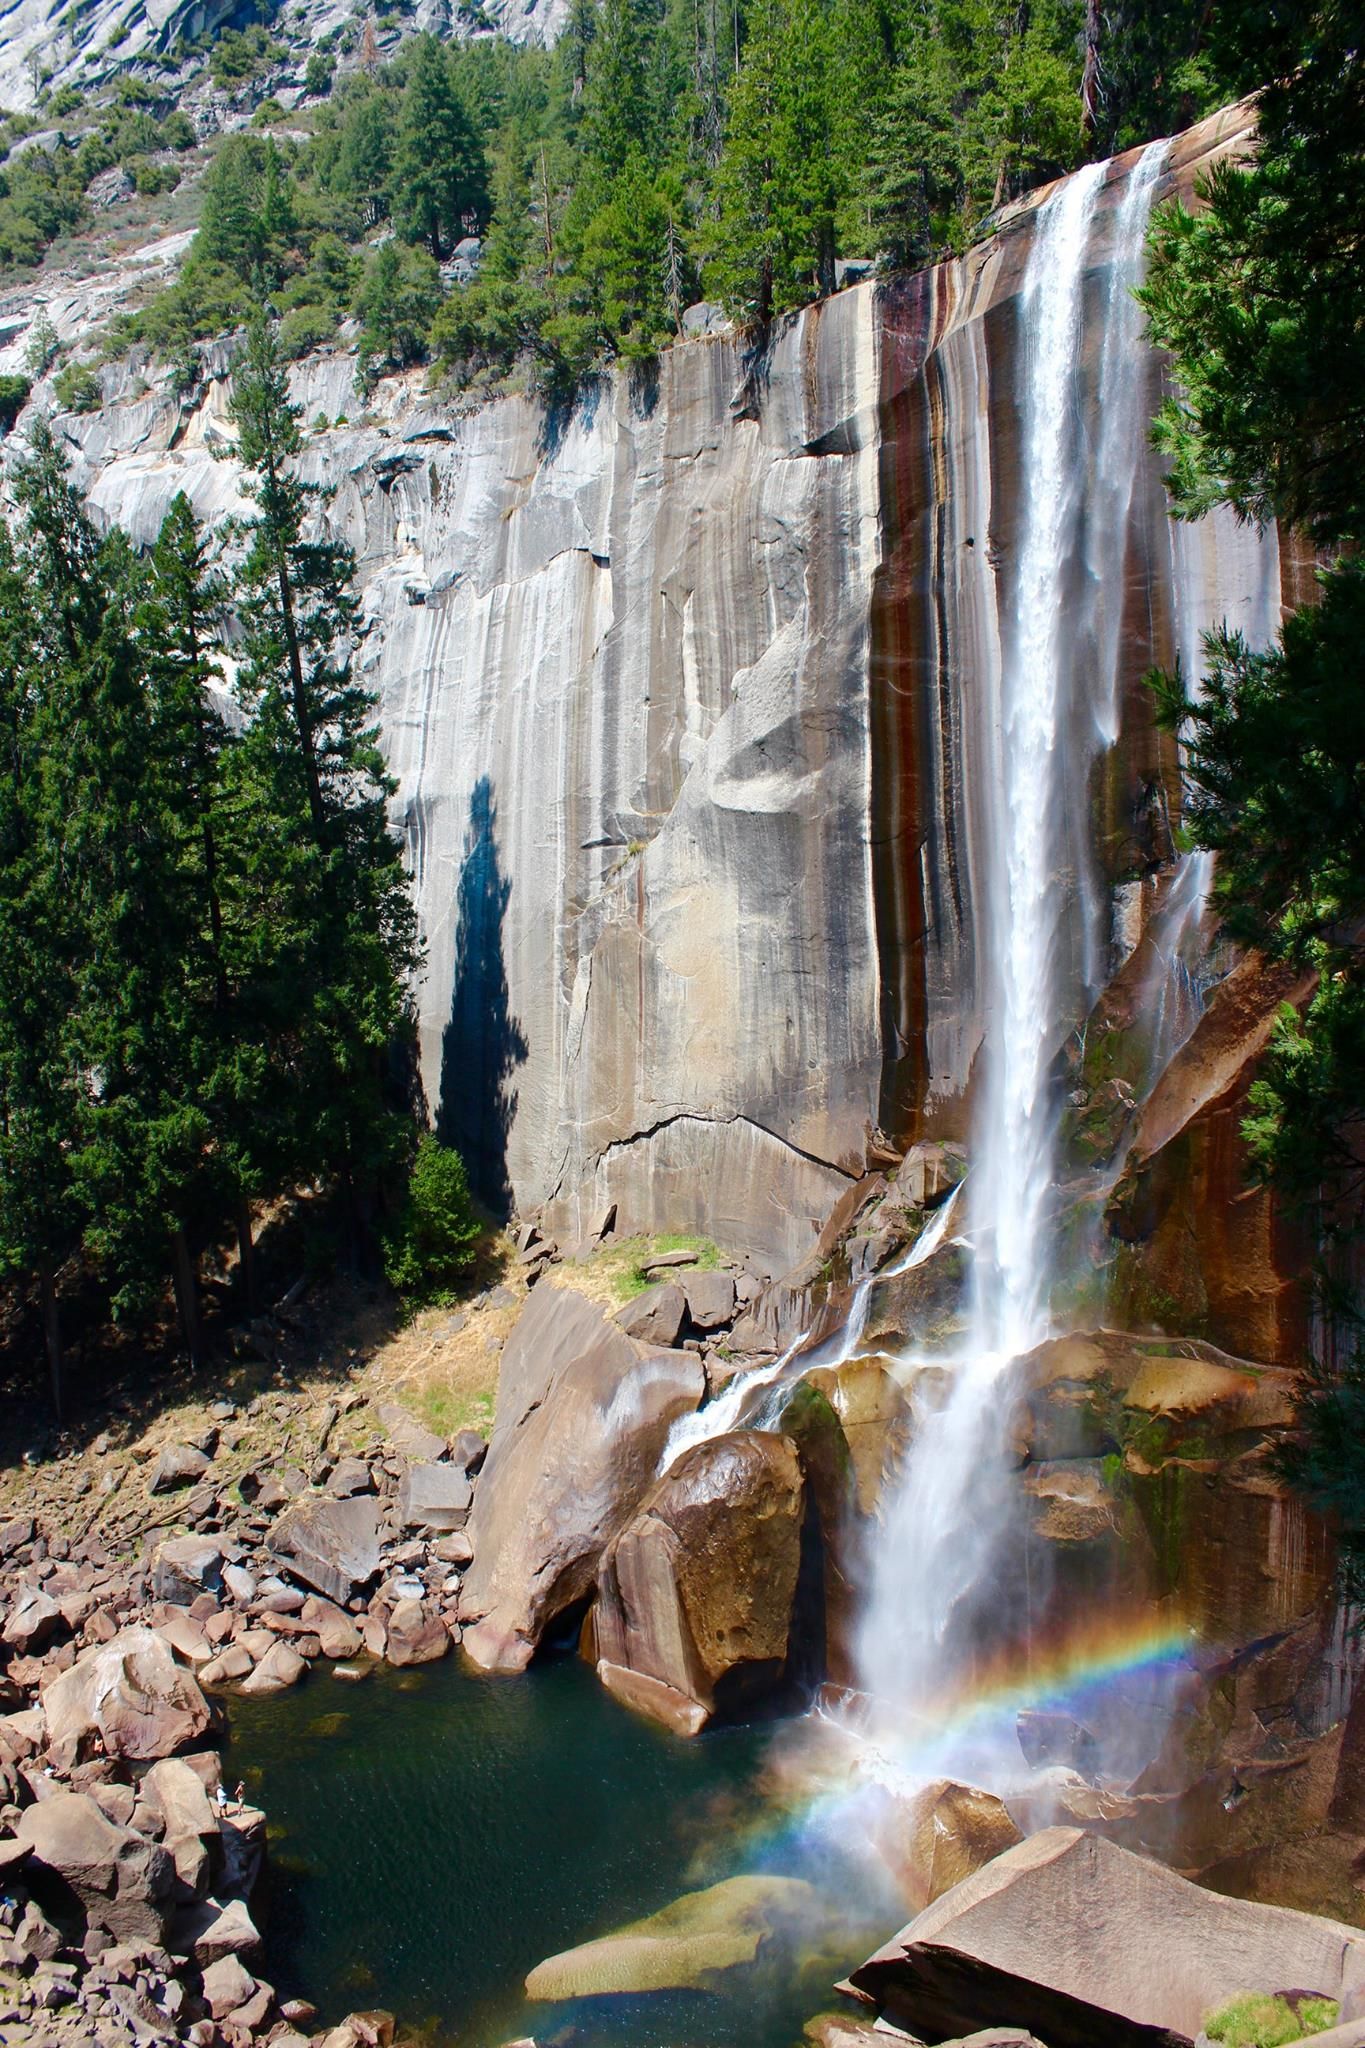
(246, 1259)
(52, 1340)
(1090, 74)
(187, 1299)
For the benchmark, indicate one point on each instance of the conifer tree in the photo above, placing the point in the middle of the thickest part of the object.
(325, 870)
(440, 177)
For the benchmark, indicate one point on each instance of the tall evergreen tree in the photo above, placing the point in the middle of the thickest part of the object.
(326, 870)
(440, 177)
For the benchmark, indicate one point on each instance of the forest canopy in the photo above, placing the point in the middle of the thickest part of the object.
(665, 151)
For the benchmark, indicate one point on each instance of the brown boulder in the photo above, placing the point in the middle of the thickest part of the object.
(697, 1593)
(32, 1622)
(583, 1415)
(332, 1545)
(409, 1436)
(337, 1634)
(185, 1566)
(120, 1882)
(656, 1316)
(132, 1693)
(178, 1465)
(414, 1636)
(710, 1300)
(1083, 1942)
(278, 1669)
(941, 1835)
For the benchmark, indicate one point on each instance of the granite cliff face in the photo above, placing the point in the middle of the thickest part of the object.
(685, 691)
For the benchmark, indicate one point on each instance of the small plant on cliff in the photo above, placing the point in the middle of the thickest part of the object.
(437, 1233)
(1260, 2020)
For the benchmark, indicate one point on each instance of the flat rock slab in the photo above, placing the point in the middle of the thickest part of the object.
(332, 1545)
(1082, 1941)
(436, 1497)
(410, 1436)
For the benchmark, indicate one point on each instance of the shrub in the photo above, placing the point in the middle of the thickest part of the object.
(304, 328)
(77, 388)
(317, 78)
(151, 179)
(438, 1230)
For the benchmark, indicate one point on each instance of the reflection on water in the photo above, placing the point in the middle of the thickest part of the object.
(438, 1834)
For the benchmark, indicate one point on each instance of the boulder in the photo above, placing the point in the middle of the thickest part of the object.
(656, 1316)
(120, 1881)
(691, 1945)
(583, 1415)
(332, 1545)
(697, 1592)
(436, 1497)
(337, 1634)
(710, 1300)
(211, 1931)
(1081, 1941)
(132, 1693)
(940, 1835)
(230, 1664)
(32, 1621)
(414, 1636)
(185, 1566)
(278, 1669)
(181, 1798)
(469, 1450)
(348, 1477)
(227, 1984)
(178, 1465)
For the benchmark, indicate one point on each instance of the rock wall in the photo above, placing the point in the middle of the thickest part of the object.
(682, 689)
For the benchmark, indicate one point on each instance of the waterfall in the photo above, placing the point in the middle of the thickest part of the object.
(1055, 705)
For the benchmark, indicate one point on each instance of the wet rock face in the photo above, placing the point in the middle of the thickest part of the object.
(697, 1594)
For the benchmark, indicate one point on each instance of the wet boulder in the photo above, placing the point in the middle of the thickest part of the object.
(583, 1415)
(1082, 1941)
(132, 1693)
(278, 1669)
(939, 1835)
(696, 1595)
(415, 1637)
(332, 1545)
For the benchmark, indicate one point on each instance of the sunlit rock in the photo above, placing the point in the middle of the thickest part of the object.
(583, 1414)
(691, 1945)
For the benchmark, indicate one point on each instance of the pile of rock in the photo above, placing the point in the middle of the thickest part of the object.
(354, 1559)
(126, 1874)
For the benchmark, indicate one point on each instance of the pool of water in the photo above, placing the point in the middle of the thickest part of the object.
(434, 1835)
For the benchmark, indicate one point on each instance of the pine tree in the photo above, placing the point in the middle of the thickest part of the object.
(440, 178)
(39, 1215)
(325, 870)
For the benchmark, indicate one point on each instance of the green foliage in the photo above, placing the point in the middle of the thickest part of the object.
(395, 303)
(440, 178)
(317, 77)
(1260, 298)
(14, 391)
(77, 388)
(242, 54)
(437, 1232)
(1260, 2020)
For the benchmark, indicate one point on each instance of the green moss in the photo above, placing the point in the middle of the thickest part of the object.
(626, 1262)
(1258, 2020)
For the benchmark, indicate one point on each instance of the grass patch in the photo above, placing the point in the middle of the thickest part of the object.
(448, 1409)
(623, 1265)
(1259, 2020)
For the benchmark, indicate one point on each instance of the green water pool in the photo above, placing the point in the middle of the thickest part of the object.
(434, 1835)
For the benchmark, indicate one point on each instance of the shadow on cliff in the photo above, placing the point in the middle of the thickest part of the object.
(483, 1044)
